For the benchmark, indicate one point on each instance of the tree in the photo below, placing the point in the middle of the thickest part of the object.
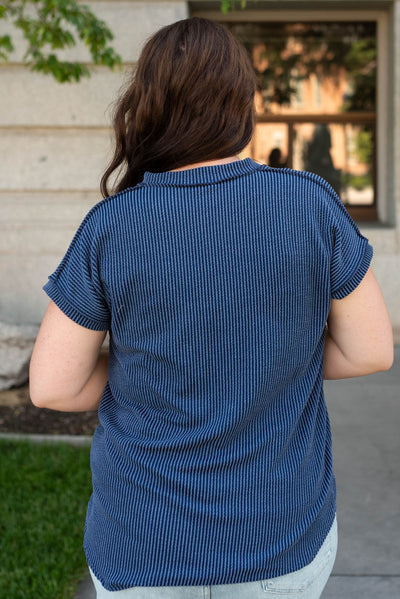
(52, 25)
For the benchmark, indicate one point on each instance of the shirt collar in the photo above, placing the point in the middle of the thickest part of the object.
(203, 175)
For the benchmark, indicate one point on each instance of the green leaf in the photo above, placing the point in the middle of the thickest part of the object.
(6, 43)
(52, 25)
(227, 5)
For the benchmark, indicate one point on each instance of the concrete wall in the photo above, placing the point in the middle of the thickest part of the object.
(55, 143)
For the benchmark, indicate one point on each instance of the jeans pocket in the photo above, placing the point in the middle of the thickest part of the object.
(315, 573)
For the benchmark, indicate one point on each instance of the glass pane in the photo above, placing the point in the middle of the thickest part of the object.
(269, 144)
(312, 68)
(340, 153)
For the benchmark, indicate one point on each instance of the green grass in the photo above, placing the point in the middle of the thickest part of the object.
(44, 490)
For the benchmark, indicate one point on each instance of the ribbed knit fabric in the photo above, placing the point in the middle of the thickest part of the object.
(212, 461)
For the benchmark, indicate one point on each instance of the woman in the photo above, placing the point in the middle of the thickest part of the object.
(216, 278)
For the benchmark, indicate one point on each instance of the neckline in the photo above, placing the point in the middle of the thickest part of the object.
(203, 175)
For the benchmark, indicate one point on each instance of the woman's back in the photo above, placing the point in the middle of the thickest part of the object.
(218, 283)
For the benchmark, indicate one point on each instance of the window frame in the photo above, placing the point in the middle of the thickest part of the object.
(379, 211)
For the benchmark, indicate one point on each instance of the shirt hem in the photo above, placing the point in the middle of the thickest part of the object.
(235, 578)
(54, 294)
(357, 277)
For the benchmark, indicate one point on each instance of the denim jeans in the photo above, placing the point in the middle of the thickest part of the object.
(307, 583)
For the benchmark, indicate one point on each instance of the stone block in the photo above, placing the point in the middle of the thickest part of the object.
(16, 344)
(23, 276)
(37, 208)
(59, 159)
(33, 99)
(34, 240)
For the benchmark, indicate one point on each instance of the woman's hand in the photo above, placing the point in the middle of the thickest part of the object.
(67, 370)
(359, 338)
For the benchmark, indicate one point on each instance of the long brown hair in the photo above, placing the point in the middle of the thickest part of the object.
(191, 99)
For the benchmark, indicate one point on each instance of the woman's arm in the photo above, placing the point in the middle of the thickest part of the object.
(359, 338)
(67, 370)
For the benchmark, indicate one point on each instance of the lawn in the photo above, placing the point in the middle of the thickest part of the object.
(44, 490)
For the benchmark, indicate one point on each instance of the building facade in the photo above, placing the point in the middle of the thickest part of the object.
(55, 140)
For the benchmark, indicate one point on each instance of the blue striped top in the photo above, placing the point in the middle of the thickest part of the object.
(212, 460)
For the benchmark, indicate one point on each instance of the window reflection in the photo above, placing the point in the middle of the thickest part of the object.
(275, 158)
(317, 155)
(312, 67)
(341, 154)
(269, 143)
(315, 102)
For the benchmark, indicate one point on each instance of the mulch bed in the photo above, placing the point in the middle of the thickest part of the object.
(19, 415)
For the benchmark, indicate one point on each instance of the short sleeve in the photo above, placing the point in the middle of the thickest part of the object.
(352, 253)
(76, 285)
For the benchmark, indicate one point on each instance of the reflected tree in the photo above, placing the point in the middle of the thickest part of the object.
(302, 49)
(285, 53)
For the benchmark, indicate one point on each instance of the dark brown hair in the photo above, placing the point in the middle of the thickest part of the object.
(191, 99)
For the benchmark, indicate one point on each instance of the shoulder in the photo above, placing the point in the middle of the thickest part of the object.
(302, 180)
(314, 197)
(110, 210)
(301, 192)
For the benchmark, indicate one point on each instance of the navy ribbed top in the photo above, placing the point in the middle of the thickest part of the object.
(212, 460)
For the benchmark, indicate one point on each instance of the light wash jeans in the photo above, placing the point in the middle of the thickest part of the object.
(307, 583)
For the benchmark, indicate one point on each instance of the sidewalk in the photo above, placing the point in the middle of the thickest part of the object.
(365, 416)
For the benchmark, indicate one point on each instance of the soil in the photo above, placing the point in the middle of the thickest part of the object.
(19, 415)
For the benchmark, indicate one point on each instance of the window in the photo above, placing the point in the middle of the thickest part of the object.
(316, 102)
